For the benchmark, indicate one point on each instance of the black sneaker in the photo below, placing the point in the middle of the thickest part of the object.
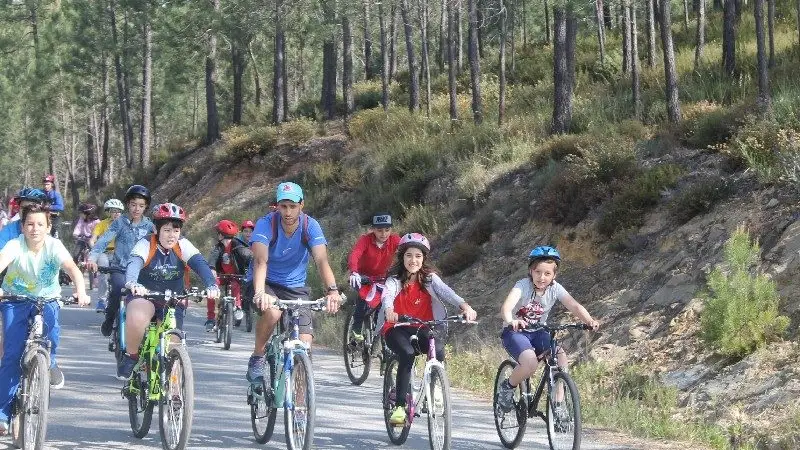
(125, 367)
(56, 378)
(106, 328)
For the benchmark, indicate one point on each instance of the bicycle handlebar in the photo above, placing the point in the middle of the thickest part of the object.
(230, 276)
(110, 270)
(543, 326)
(372, 280)
(315, 305)
(27, 298)
(167, 295)
(408, 320)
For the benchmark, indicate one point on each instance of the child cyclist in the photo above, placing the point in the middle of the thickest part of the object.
(33, 260)
(414, 289)
(371, 257)
(113, 209)
(229, 256)
(247, 230)
(84, 228)
(125, 232)
(158, 263)
(529, 302)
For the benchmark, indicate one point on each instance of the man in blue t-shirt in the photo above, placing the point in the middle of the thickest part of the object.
(281, 250)
(56, 203)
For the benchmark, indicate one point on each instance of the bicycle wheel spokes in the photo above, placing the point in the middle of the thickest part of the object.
(34, 412)
(262, 412)
(299, 418)
(397, 435)
(510, 425)
(439, 417)
(356, 355)
(563, 414)
(140, 408)
(177, 403)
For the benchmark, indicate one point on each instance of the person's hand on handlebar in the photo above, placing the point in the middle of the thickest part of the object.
(593, 324)
(392, 316)
(469, 313)
(264, 301)
(212, 292)
(137, 289)
(91, 266)
(83, 299)
(333, 300)
(355, 280)
(518, 324)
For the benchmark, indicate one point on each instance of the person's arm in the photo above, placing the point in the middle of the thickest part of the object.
(213, 257)
(76, 276)
(507, 309)
(200, 266)
(355, 255)
(58, 202)
(260, 258)
(320, 254)
(579, 311)
(445, 292)
(10, 251)
(387, 298)
(132, 270)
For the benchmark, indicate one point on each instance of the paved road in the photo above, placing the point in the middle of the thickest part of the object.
(89, 412)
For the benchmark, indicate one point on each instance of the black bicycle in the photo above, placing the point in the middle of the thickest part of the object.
(30, 407)
(358, 353)
(227, 311)
(116, 342)
(561, 411)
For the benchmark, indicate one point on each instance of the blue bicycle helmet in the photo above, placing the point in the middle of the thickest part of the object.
(32, 195)
(544, 252)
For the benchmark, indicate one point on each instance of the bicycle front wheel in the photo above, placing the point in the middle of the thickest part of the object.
(262, 411)
(510, 425)
(356, 355)
(397, 435)
(563, 414)
(36, 400)
(226, 337)
(439, 417)
(177, 402)
(299, 419)
(140, 408)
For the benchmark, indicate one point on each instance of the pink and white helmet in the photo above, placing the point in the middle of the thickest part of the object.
(415, 240)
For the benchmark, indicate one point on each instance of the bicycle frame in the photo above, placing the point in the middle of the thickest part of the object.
(421, 392)
(282, 347)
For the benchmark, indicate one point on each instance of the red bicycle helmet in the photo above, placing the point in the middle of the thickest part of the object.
(169, 211)
(227, 227)
(49, 179)
(248, 224)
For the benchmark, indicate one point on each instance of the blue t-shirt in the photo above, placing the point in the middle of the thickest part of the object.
(10, 231)
(288, 259)
(56, 200)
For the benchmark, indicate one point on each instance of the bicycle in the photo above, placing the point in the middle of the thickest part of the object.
(163, 375)
(358, 355)
(116, 342)
(32, 400)
(563, 421)
(83, 258)
(227, 311)
(430, 394)
(290, 383)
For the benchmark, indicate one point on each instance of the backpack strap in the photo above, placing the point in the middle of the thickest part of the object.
(305, 238)
(178, 252)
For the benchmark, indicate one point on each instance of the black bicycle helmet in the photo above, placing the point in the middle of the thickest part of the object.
(32, 195)
(87, 208)
(137, 190)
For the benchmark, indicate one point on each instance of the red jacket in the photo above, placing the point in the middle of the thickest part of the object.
(369, 260)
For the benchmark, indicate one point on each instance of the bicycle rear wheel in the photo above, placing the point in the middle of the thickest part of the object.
(439, 417)
(564, 416)
(177, 403)
(356, 355)
(220, 323)
(36, 400)
(510, 425)
(140, 408)
(228, 319)
(262, 410)
(397, 435)
(299, 420)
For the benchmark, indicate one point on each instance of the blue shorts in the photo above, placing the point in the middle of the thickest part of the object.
(161, 310)
(516, 342)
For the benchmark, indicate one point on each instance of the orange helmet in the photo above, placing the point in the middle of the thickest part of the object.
(227, 227)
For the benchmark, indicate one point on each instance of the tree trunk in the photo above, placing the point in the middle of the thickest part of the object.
(547, 32)
(601, 38)
(670, 74)
(572, 37)
(285, 66)
(685, 15)
(368, 73)
(798, 20)
(426, 64)
(147, 91)
(524, 22)
(127, 78)
(651, 34)
(125, 118)
(328, 100)
(212, 118)
(460, 38)
(451, 59)
(413, 75)
(626, 37)
(501, 105)
(384, 60)
(256, 77)
(278, 58)
(347, 65)
(562, 100)
(91, 161)
(480, 8)
(635, 82)
(474, 62)
(764, 97)
(442, 57)
(105, 175)
(393, 42)
(729, 38)
(608, 18)
(771, 31)
(701, 33)
(238, 64)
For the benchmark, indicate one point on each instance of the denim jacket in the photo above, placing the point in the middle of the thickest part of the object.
(440, 292)
(126, 234)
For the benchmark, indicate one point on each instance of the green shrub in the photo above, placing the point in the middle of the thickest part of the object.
(243, 143)
(627, 209)
(379, 126)
(299, 131)
(558, 147)
(423, 219)
(458, 258)
(714, 127)
(741, 306)
(367, 94)
(698, 199)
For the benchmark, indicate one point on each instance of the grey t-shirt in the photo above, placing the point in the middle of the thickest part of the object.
(539, 305)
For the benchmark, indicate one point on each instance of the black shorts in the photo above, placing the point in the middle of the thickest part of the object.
(306, 324)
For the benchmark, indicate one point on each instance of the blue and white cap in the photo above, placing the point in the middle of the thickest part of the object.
(382, 220)
(289, 191)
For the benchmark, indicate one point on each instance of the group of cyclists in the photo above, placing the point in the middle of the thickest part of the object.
(271, 256)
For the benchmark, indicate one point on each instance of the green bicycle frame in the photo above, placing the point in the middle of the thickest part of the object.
(280, 351)
(153, 352)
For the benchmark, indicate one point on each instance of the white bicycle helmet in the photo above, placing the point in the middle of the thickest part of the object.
(415, 240)
(113, 204)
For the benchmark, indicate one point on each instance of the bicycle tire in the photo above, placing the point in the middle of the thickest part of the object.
(219, 322)
(140, 408)
(176, 437)
(226, 338)
(564, 433)
(439, 436)
(354, 355)
(518, 416)
(33, 416)
(299, 437)
(262, 407)
(397, 435)
(248, 321)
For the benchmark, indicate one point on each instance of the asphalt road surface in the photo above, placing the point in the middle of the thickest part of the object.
(90, 413)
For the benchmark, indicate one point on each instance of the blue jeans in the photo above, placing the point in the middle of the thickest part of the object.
(15, 331)
(114, 296)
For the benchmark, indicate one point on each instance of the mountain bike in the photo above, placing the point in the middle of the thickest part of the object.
(83, 258)
(358, 355)
(32, 400)
(227, 311)
(561, 411)
(430, 394)
(162, 376)
(288, 383)
(116, 342)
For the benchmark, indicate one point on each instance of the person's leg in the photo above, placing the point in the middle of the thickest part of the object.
(358, 315)
(399, 341)
(15, 325)
(114, 297)
(138, 313)
(52, 328)
(102, 282)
